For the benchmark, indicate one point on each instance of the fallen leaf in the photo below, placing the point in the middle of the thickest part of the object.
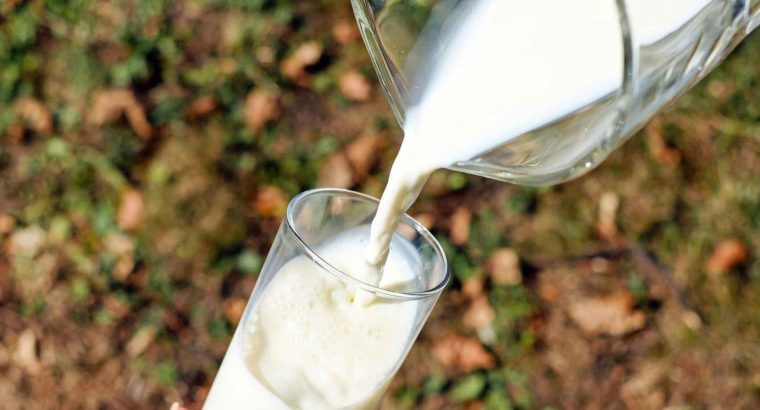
(121, 246)
(131, 209)
(364, 152)
(472, 288)
(173, 321)
(720, 90)
(109, 105)
(336, 172)
(35, 114)
(729, 254)
(260, 109)
(294, 66)
(608, 207)
(504, 266)
(345, 32)
(140, 341)
(479, 314)
(27, 241)
(177, 406)
(9, 5)
(7, 223)
(233, 309)
(475, 405)
(612, 315)
(459, 228)
(26, 352)
(462, 354)
(658, 146)
(118, 307)
(202, 107)
(641, 389)
(14, 134)
(265, 55)
(548, 291)
(270, 202)
(354, 86)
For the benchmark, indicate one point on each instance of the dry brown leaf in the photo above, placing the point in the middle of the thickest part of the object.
(35, 114)
(462, 354)
(612, 315)
(720, 89)
(27, 241)
(364, 152)
(548, 291)
(122, 246)
(294, 66)
(475, 405)
(729, 254)
(658, 146)
(119, 308)
(479, 314)
(459, 228)
(345, 32)
(233, 309)
(336, 172)
(504, 265)
(7, 223)
(8, 6)
(270, 202)
(110, 104)
(473, 287)
(354, 86)
(26, 352)
(641, 389)
(140, 341)
(260, 109)
(131, 209)
(14, 134)
(265, 55)
(608, 207)
(202, 107)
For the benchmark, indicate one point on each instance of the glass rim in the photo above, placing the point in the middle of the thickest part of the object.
(345, 277)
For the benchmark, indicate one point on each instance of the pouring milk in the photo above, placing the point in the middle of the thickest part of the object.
(510, 66)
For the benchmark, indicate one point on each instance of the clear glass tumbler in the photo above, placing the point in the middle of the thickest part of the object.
(301, 342)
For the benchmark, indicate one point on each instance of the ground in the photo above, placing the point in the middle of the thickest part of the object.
(147, 150)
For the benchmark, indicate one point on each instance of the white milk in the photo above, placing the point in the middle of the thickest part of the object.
(311, 345)
(511, 67)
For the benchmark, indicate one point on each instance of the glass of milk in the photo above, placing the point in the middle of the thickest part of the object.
(536, 92)
(315, 336)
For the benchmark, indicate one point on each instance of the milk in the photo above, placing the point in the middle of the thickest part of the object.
(309, 345)
(509, 67)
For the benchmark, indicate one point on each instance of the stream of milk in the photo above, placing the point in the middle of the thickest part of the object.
(511, 66)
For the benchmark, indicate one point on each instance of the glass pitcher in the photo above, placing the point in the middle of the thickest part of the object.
(665, 47)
